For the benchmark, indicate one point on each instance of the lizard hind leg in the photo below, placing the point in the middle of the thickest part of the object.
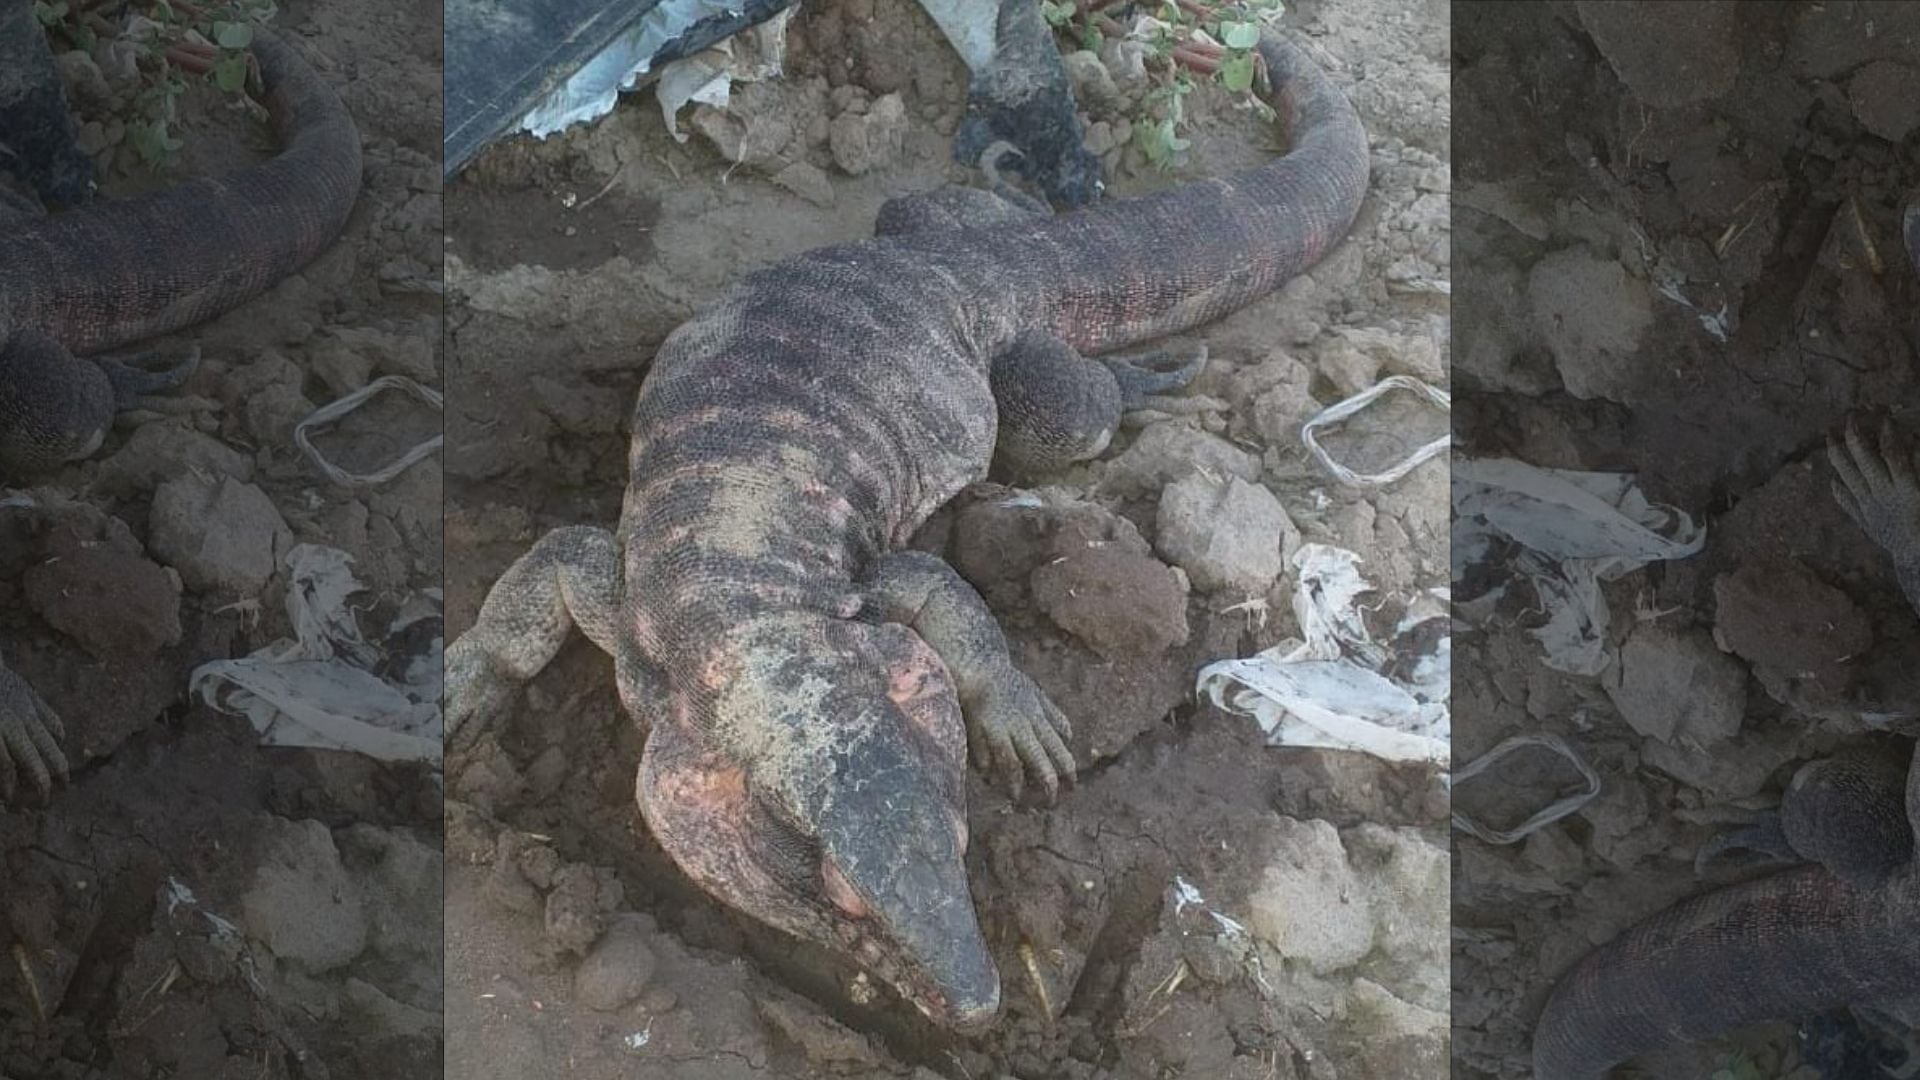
(954, 206)
(570, 578)
(1849, 814)
(1056, 407)
(1144, 375)
(54, 408)
(132, 379)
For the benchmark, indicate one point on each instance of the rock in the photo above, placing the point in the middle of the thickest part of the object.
(821, 1038)
(1093, 85)
(863, 142)
(376, 1011)
(118, 605)
(506, 885)
(1099, 138)
(1394, 353)
(618, 968)
(1001, 536)
(1883, 99)
(1675, 684)
(302, 904)
(266, 394)
(86, 84)
(1349, 368)
(407, 352)
(1668, 54)
(1123, 604)
(1309, 906)
(341, 366)
(271, 415)
(1736, 770)
(1225, 534)
(1126, 65)
(223, 536)
(1168, 452)
(1410, 879)
(574, 915)
(117, 59)
(1389, 1036)
(1592, 318)
(1778, 615)
(160, 450)
(91, 139)
(807, 181)
(744, 133)
(400, 879)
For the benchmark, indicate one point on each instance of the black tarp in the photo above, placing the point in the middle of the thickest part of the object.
(503, 56)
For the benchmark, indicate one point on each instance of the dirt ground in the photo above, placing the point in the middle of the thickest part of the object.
(1684, 263)
(193, 904)
(1199, 905)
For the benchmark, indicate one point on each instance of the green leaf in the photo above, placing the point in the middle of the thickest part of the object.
(49, 14)
(1057, 14)
(153, 142)
(230, 73)
(1093, 40)
(232, 35)
(1239, 35)
(1236, 72)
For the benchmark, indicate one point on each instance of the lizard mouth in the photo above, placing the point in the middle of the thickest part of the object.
(964, 1005)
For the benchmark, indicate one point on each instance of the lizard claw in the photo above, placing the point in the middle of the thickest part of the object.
(474, 695)
(30, 735)
(1015, 730)
(1878, 485)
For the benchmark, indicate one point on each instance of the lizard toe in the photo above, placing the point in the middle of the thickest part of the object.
(30, 734)
(475, 695)
(1016, 732)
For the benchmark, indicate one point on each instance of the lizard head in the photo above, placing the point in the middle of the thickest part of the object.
(825, 795)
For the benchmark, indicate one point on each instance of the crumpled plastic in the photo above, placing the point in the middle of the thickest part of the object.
(706, 77)
(319, 690)
(1333, 690)
(1577, 529)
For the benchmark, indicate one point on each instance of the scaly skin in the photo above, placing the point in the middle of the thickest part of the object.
(1844, 930)
(120, 271)
(811, 690)
(116, 272)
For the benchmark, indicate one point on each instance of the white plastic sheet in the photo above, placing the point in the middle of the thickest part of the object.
(317, 690)
(1328, 690)
(328, 413)
(1339, 411)
(1578, 529)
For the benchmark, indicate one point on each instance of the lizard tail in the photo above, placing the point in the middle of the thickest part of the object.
(1780, 948)
(119, 271)
(1127, 271)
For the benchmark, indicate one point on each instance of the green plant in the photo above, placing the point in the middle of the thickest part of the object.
(1739, 1067)
(1213, 40)
(177, 43)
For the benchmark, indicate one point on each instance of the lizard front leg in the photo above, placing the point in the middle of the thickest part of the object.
(1879, 489)
(570, 577)
(30, 735)
(1011, 725)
